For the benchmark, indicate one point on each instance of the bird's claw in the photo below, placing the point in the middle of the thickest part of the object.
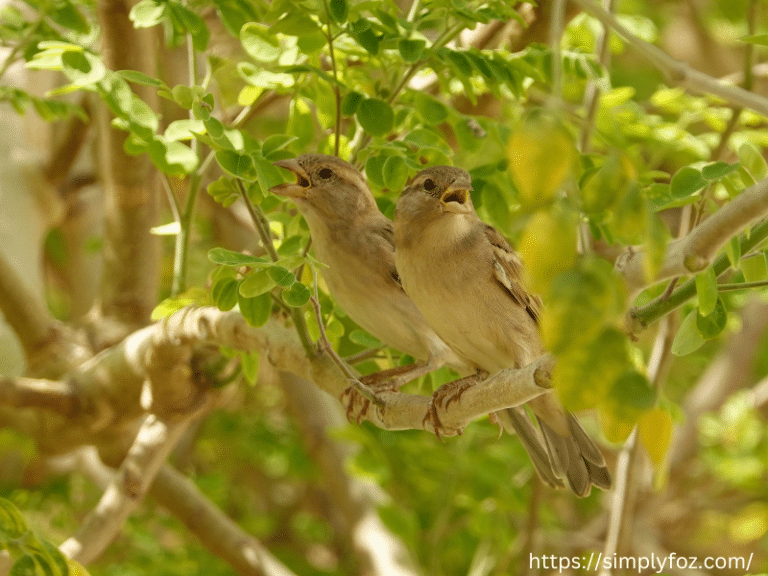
(351, 398)
(442, 398)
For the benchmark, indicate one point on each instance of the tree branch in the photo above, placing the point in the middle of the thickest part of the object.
(129, 293)
(49, 347)
(401, 411)
(678, 73)
(641, 317)
(215, 530)
(381, 552)
(178, 398)
(695, 251)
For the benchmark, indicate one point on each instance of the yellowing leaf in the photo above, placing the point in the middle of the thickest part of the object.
(655, 430)
(542, 157)
(548, 247)
(584, 374)
(614, 429)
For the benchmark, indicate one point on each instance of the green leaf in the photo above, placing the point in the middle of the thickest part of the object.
(374, 170)
(754, 267)
(376, 116)
(235, 259)
(339, 10)
(752, 160)
(194, 24)
(368, 40)
(267, 174)
(259, 42)
(584, 374)
(249, 362)
(430, 109)
(686, 182)
(411, 50)
(257, 283)
(276, 142)
(364, 339)
(236, 164)
(350, 102)
(395, 173)
(297, 295)
(706, 289)
(147, 13)
(461, 62)
(710, 325)
(12, 523)
(224, 191)
(224, 293)
(68, 16)
(255, 310)
(688, 338)
(184, 96)
(295, 23)
(733, 250)
(281, 276)
(718, 170)
(759, 39)
(82, 68)
(136, 77)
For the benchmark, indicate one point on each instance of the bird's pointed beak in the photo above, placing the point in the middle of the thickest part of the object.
(296, 189)
(456, 199)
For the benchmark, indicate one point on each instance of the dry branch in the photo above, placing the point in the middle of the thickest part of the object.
(678, 73)
(695, 251)
(177, 398)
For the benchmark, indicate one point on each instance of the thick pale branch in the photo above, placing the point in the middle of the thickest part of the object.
(177, 400)
(695, 251)
(401, 411)
(678, 73)
(59, 397)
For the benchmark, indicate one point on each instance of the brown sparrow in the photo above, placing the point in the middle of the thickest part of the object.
(466, 280)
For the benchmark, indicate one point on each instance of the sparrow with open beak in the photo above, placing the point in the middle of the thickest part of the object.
(355, 240)
(466, 280)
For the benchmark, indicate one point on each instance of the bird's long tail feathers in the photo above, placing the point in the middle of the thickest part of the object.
(576, 457)
(536, 450)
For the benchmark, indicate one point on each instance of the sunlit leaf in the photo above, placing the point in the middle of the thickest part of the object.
(688, 338)
(706, 289)
(655, 431)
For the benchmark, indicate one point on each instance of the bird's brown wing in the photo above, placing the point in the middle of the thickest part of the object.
(382, 236)
(508, 268)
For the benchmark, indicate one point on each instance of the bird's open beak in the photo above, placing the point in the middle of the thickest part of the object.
(296, 189)
(456, 199)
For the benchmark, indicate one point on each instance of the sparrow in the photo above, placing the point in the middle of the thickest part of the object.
(467, 281)
(355, 240)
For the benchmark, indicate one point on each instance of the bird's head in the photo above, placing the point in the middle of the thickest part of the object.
(434, 193)
(326, 186)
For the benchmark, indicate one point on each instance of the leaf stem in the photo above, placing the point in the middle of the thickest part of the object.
(643, 316)
(336, 92)
(361, 388)
(262, 227)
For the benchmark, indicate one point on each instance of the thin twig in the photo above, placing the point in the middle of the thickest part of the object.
(678, 73)
(262, 227)
(364, 390)
(449, 34)
(336, 92)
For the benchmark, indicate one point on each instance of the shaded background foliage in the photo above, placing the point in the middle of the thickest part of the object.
(576, 151)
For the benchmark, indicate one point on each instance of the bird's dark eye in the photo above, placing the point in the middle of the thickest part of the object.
(429, 184)
(325, 173)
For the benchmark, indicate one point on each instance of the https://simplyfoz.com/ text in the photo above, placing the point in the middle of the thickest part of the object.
(655, 564)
